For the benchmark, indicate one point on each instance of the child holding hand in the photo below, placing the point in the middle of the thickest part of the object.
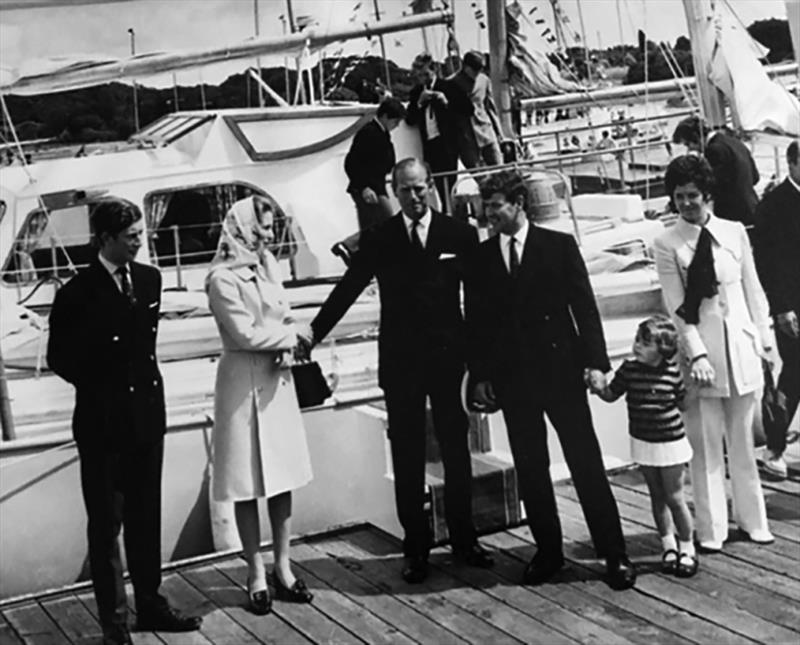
(655, 396)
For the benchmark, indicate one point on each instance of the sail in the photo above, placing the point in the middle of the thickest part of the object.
(530, 72)
(759, 102)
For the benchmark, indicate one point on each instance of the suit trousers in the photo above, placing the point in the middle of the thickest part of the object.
(405, 404)
(789, 384)
(442, 157)
(524, 406)
(123, 486)
(709, 421)
(369, 215)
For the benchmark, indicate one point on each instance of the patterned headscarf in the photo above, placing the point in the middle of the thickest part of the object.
(239, 244)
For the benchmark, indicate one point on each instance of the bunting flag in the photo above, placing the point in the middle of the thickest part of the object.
(301, 22)
(532, 10)
(479, 15)
(357, 7)
(540, 21)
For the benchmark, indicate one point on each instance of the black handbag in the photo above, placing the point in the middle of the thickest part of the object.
(774, 416)
(310, 384)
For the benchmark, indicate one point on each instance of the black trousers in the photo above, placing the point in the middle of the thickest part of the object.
(789, 384)
(123, 486)
(524, 406)
(442, 157)
(405, 404)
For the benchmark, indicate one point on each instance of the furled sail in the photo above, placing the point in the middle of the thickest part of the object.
(530, 72)
(759, 102)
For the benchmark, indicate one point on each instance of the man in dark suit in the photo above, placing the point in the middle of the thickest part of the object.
(777, 242)
(735, 172)
(368, 162)
(102, 340)
(534, 331)
(432, 104)
(418, 257)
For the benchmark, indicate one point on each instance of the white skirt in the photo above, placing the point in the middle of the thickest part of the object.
(664, 453)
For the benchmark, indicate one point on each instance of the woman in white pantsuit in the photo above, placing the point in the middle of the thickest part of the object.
(259, 441)
(711, 289)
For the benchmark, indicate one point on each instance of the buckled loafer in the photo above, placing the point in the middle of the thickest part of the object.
(620, 573)
(475, 556)
(415, 570)
(167, 619)
(541, 568)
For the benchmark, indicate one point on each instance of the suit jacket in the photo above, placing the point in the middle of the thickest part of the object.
(369, 160)
(543, 325)
(734, 323)
(483, 124)
(735, 174)
(107, 349)
(458, 104)
(421, 316)
(776, 247)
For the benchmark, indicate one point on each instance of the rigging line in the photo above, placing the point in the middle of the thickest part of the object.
(646, 104)
(675, 70)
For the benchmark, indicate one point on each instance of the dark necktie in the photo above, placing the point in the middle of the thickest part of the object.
(513, 258)
(127, 289)
(701, 279)
(416, 241)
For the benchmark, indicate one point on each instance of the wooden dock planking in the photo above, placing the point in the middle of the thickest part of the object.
(748, 593)
(306, 619)
(430, 597)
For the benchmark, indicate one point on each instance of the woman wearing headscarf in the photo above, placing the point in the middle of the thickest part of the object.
(259, 441)
(708, 278)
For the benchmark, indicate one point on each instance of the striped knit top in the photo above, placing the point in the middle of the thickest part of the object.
(653, 394)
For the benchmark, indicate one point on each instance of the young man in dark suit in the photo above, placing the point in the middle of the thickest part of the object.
(368, 162)
(432, 106)
(418, 257)
(735, 172)
(777, 241)
(534, 332)
(103, 340)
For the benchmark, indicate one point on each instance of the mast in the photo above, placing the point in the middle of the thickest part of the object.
(699, 15)
(258, 58)
(498, 52)
(383, 49)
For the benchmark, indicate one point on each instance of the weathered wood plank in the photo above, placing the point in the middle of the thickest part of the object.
(7, 634)
(186, 598)
(720, 606)
(780, 557)
(71, 615)
(307, 619)
(34, 626)
(426, 597)
(681, 624)
(225, 624)
(330, 600)
(485, 604)
(341, 573)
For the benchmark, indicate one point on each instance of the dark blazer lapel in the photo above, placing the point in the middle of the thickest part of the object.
(102, 279)
(497, 265)
(435, 235)
(531, 256)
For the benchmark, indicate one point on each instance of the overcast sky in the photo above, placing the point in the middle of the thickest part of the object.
(169, 25)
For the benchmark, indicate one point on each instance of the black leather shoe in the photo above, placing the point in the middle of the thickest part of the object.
(475, 556)
(298, 592)
(116, 635)
(620, 573)
(415, 569)
(342, 252)
(166, 619)
(541, 568)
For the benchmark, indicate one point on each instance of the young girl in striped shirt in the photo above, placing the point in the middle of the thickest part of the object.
(655, 395)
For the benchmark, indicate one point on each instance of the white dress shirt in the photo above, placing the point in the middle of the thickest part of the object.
(112, 269)
(422, 227)
(505, 244)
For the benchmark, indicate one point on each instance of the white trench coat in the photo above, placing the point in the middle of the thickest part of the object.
(259, 441)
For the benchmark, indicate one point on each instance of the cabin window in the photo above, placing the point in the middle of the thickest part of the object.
(50, 244)
(185, 223)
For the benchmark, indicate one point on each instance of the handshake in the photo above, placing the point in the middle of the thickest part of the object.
(595, 380)
(305, 343)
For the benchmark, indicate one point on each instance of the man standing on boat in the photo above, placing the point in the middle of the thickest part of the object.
(777, 242)
(103, 341)
(477, 135)
(534, 330)
(432, 104)
(735, 172)
(368, 162)
(418, 257)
